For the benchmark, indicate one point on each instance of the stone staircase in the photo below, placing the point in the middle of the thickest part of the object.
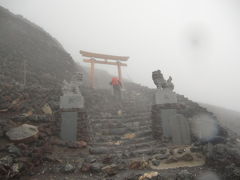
(123, 135)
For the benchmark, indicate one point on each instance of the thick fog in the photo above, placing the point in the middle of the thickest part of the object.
(197, 42)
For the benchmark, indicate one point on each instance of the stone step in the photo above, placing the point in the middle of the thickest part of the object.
(133, 152)
(138, 140)
(126, 146)
(116, 116)
(118, 127)
(146, 151)
(140, 137)
(131, 126)
(121, 132)
(135, 140)
(122, 120)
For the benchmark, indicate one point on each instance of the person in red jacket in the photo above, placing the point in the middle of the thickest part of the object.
(117, 86)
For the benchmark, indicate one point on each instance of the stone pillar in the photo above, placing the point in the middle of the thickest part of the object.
(168, 125)
(74, 122)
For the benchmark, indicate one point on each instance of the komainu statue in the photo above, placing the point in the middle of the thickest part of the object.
(73, 86)
(160, 82)
(170, 85)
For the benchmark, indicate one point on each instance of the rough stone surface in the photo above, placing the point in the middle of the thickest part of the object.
(14, 150)
(169, 126)
(68, 168)
(165, 96)
(23, 133)
(111, 169)
(71, 101)
(167, 116)
(69, 126)
(96, 167)
(184, 175)
(6, 161)
(180, 130)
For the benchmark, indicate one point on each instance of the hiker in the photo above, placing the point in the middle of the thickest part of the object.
(117, 85)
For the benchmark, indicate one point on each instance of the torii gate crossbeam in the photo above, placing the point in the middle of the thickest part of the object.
(107, 59)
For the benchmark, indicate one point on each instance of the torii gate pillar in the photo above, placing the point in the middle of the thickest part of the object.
(92, 75)
(120, 73)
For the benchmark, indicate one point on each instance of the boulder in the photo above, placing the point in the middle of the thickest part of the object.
(138, 164)
(77, 144)
(68, 168)
(14, 150)
(99, 150)
(111, 169)
(80, 163)
(184, 175)
(23, 134)
(17, 167)
(161, 156)
(6, 161)
(47, 109)
(186, 157)
(156, 162)
(96, 167)
(148, 176)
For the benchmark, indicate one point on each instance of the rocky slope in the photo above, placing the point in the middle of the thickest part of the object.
(23, 42)
(46, 65)
(28, 52)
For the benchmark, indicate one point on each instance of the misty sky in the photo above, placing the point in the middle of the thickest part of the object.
(197, 42)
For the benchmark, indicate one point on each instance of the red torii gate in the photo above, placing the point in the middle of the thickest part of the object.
(106, 59)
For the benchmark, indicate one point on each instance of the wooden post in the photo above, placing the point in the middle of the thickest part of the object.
(92, 78)
(24, 73)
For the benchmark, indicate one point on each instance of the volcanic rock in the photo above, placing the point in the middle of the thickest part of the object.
(138, 164)
(78, 144)
(148, 176)
(6, 161)
(186, 157)
(161, 156)
(111, 169)
(155, 162)
(14, 150)
(68, 168)
(24, 133)
(17, 167)
(96, 167)
(184, 175)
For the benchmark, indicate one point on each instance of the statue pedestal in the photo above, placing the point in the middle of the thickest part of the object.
(71, 101)
(165, 96)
